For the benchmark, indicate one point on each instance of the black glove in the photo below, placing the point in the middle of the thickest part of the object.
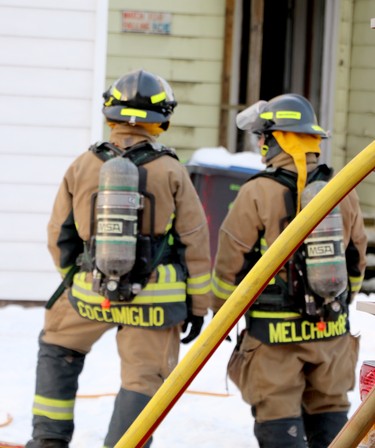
(195, 328)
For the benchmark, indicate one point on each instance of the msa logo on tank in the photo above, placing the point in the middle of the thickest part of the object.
(319, 250)
(110, 227)
(108, 224)
(325, 260)
(117, 205)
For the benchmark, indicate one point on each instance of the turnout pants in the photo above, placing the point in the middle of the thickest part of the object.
(297, 390)
(147, 358)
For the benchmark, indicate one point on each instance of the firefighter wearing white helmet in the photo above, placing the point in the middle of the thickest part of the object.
(130, 193)
(297, 354)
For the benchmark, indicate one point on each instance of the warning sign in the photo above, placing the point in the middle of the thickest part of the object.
(146, 22)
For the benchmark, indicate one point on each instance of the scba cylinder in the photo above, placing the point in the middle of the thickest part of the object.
(117, 205)
(325, 251)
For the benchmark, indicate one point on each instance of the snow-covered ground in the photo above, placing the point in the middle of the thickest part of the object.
(214, 418)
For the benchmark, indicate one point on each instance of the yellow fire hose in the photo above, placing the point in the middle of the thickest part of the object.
(358, 426)
(244, 296)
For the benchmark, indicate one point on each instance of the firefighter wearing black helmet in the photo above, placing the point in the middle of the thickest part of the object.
(139, 97)
(297, 365)
(172, 298)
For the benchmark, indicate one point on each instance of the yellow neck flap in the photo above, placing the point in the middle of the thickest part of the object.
(297, 146)
(151, 128)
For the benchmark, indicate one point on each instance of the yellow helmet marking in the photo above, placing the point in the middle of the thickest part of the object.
(291, 114)
(116, 93)
(109, 102)
(264, 150)
(294, 115)
(158, 97)
(317, 128)
(134, 113)
(266, 115)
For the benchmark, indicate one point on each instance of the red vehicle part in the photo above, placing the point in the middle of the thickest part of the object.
(366, 378)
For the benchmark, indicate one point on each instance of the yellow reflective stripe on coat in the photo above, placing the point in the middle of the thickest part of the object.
(64, 271)
(274, 315)
(200, 284)
(166, 273)
(170, 223)
(53, 409)
(355, 283)
(221, 288)
(263, 245)
(152, 293)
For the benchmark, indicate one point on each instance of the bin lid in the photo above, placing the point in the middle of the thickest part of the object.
(221, 158)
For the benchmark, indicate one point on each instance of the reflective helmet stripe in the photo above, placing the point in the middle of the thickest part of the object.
(280, 114)
(317, 128)
(133, 113)
(294, 115)
(116, 93)
(158, 97)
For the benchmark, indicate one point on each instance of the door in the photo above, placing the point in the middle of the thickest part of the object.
(283, 46)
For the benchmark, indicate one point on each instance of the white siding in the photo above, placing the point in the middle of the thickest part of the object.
(354, 92)
(52, 69)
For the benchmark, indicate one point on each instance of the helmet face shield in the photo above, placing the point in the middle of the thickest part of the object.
(250, 118)
(139, 96)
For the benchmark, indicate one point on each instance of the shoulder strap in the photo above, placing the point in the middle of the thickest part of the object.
(105, 150)
(321, 172)
(289, 178)
(284, 177)
(140, 153)
(144, 152)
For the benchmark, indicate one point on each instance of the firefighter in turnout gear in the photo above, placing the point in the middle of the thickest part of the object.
(166, 292)
(297, 355)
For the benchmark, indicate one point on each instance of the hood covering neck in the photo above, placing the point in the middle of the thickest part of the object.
(123, 135)
(298, 146)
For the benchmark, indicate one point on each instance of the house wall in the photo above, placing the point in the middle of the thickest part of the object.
(361, 117)
(52, 56)
(354, 119)
(189, 58)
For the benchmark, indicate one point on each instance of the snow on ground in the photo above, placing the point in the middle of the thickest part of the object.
(202, 420)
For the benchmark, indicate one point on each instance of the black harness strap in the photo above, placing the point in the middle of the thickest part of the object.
(289, 178)
(140, 153)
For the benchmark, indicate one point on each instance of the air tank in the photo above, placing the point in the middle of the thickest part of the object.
(325, 251)
(116, 213)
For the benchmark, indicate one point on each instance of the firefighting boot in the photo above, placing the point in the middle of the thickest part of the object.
(322, 428)
(128, 405)
(281, 433)
(57, 373)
